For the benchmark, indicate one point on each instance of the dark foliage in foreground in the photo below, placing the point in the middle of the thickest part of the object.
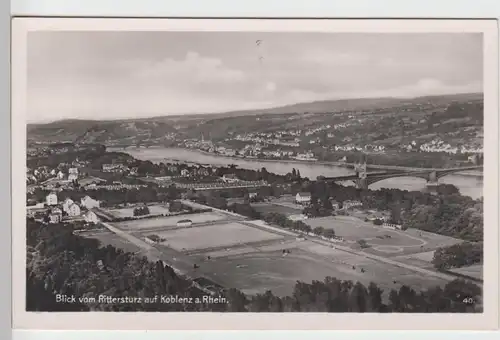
(60, 262)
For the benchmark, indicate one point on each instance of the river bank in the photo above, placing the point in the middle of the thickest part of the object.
(469, 185)
(475, 173)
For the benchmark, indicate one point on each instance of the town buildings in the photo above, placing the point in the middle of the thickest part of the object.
(74, 210)
(303, 198)
(51, 199)
(91, 217)
(89, 203)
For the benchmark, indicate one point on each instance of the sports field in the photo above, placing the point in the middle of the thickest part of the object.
(168, 222)
(252, 259)
(258, 272)
(382, 241)
(216, 235)
(422, 260)
(129, 212)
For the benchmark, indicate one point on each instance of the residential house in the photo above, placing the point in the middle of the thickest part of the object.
(67, 203)
(55, 215)
(91, 217)
(335, 205)
(303, 198)
(60, 175)
(114, 167)
(473, 159)
(51, 199)
(73, 174)
(89, 203)
(185, 173)
(230, 178)
(74, 210)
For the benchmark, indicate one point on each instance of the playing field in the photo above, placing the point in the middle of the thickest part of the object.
(382, 241)
(129, 212)
(258, 272)
(350, 228)
(214, 236)
(168, 222)
(422, 260)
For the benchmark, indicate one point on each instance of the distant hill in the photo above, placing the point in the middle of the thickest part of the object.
(355, 104)
(155, 129)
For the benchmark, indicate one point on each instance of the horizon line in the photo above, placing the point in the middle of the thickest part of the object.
(243, 110)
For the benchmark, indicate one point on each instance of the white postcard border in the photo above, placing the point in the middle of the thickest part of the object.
(244, 321)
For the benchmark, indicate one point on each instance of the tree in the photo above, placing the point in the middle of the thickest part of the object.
(141, 211)
(318, 231)
(175, 206)
(329, 233)
(237, 300)
(396, 214)
(363, 244)
(458, 255)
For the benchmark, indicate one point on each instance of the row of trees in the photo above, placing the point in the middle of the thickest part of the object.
(458, 255)
(59, 262)
(141, 211)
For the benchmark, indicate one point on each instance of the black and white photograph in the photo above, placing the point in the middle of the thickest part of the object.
(255, 171)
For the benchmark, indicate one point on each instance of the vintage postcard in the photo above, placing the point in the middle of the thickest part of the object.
(255, 174)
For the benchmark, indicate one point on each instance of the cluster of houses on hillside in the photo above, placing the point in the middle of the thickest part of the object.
(55, 211)
(304, 199)
(437, 145)
(64, 172)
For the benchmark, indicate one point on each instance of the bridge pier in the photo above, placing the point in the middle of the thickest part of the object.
(432, 179)
(362, 183)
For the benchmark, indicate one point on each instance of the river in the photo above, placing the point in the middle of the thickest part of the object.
(468, 185)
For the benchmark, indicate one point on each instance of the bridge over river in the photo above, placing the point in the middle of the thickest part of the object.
(363, 179)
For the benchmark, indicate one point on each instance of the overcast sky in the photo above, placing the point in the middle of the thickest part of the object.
(97, 75)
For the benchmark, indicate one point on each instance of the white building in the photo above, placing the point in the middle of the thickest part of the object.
(184, 223)
(67, 203)
(350, 204)
(74, 210)
(51, 199)
(230, 178)
(73, 174)
(392, 226)
(299, 217)
(89, 203)
(91, 217)
(303, 198)
(55, 215)
(55, 218)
